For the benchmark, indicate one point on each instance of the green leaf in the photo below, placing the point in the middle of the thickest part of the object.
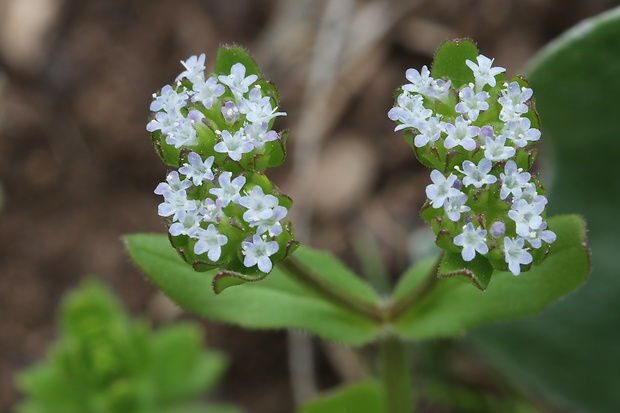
(450, 61)
(366, 397)
(451, 307)
(202, 409)
(227, 56)
(278, 301)
(572, 349)
(478, 270)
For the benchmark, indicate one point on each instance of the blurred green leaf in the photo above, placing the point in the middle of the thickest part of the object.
(278, 301)
(106, 363)
(366, 397)
(452, 306)
(573, 348)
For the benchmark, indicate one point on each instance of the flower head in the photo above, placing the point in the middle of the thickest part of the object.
(472, 240)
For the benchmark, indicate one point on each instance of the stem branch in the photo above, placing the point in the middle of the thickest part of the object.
(396, 375)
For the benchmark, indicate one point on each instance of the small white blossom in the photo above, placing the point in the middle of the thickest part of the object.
(472, 103)
(197, 170)
(210, 210)
(257, 134)
(169, 100)
(409, 110)
(209, 241)
(477, 175)
(536, 236)
(429, 131)
(472, 240)
(520, 133)
(206, 92)
(455, 206)
(441, 188)
(164, 122)
(186, 223)
(527, 215)
(258, 252)
(194, 69)
(484, 73)
(237, 81)
(421, 82)
(230, 112)
(513, 99)
(176, 203)
(516, 254)
(496, 150)
(259, 205)
(513, 180)
(173, 184)
(228, 191)
(272, 224)
(461, 133)
(257, 108)
(233, 145)
(184, 133)
(440, 89)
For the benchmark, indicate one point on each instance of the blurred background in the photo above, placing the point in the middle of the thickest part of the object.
(77, 169)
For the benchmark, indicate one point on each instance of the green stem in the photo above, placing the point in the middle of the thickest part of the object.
(396, 375)
(301, 272)
(404, 303)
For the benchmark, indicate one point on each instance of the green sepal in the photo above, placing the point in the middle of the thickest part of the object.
(227, 56)
(449, 61)
(168, 153)
(277, 149)
(478, 270)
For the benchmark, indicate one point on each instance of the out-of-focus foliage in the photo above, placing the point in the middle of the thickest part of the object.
(103, 362)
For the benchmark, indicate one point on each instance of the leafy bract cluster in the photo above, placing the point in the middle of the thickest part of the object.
(105, 363)
(221, 209)
(475, 130)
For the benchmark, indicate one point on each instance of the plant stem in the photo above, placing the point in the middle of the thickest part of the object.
(301, 272)
(396, 375)
(404, 303)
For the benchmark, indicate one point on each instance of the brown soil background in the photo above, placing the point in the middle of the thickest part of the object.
(77, 170)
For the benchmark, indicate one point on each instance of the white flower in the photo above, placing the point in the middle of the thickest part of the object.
(536, 236)
(512, 99)
(169, 100)
(233, 145)
(230, 112)
(421, 82)
(258, 252)
(272, 224)
(527, 215)
(197, 170)
(441, 188)
(209, 241)
(237, 81)
(461, 133)
(257, 108)
(496, 150)
(186, 223)
(409, 110)
(165, 122)
(210, 210)
(440, 89)
(484, 73)
(173, 184)
(194, 69)
(477, 175)
(455, 206)
(513, 180)
(516, 254)
(257, 134)
(260, 205)
(520, 133)
(228, 191)
(472, 240)
(184, 134)
(175, 203)
(472, 103)
(430, 131)
(207, 91)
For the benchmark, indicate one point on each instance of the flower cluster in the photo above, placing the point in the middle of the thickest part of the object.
(221, 209)
(476, 135)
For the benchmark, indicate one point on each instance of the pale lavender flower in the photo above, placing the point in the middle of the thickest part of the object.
(237, 81)
(461, 133)
(478, 175)
(516, 254)
(233, 145)
(441, 188)
(472, 103)
(197, 170)
(194, 69)
(513, 180)
(484, 73)
(258, 252)
(206, 92)
(209, 241)
(228, 191)
(472, 240)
